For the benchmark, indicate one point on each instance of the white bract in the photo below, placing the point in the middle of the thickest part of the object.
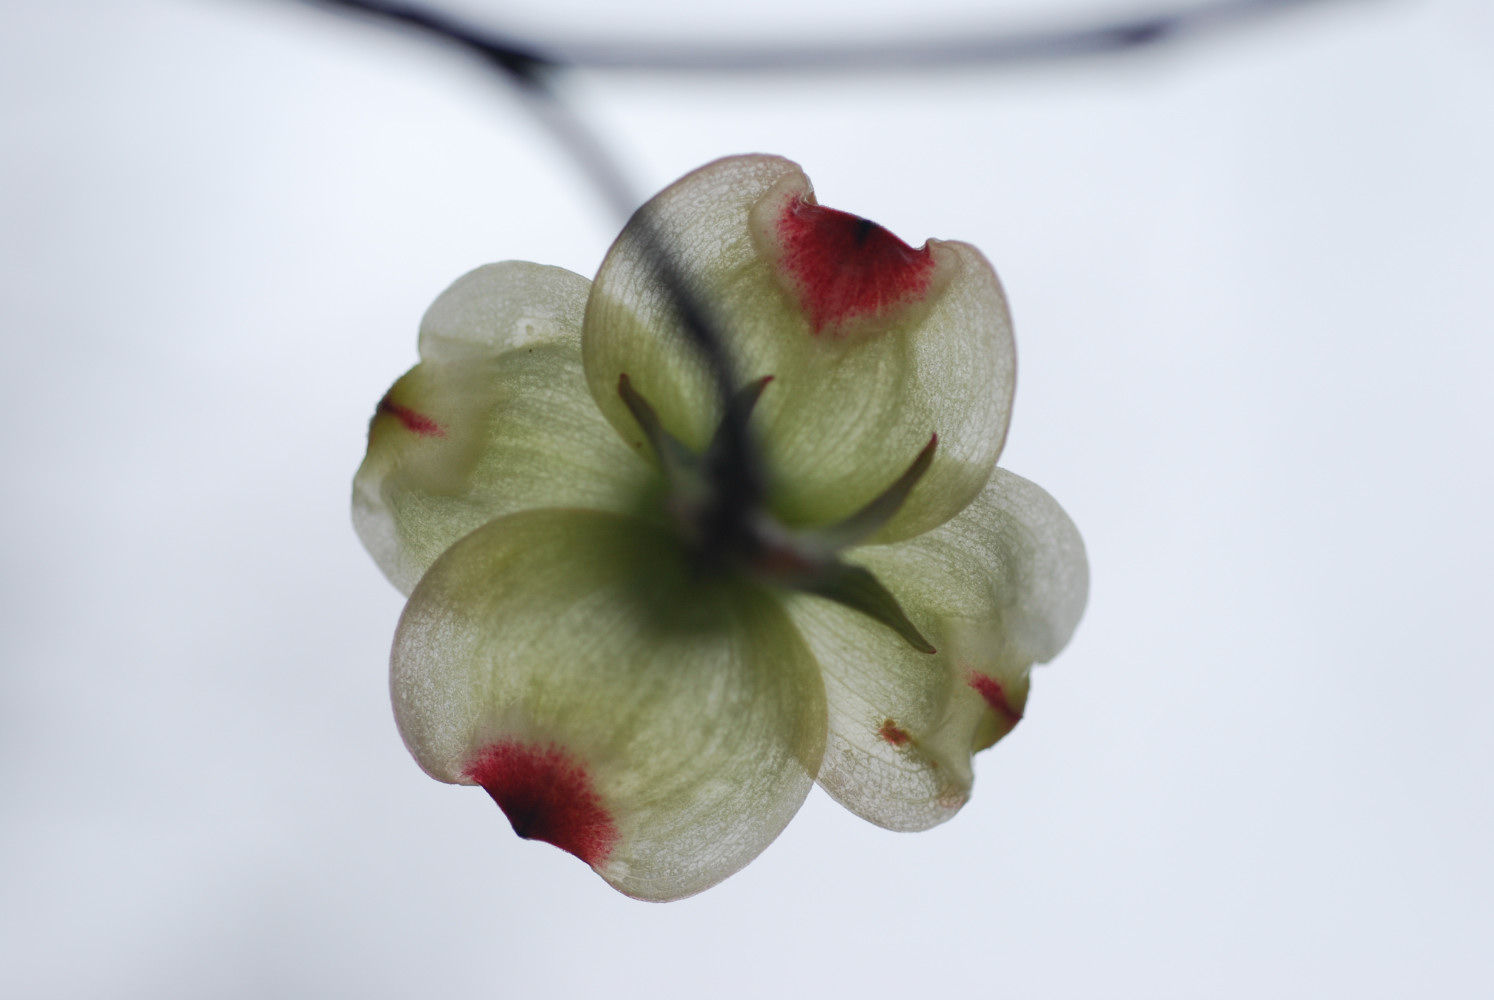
(647, 646)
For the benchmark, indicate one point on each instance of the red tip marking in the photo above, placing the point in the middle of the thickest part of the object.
(990, 689)
(894, 734)
(547, 795)
(846, 267)
(415, 422)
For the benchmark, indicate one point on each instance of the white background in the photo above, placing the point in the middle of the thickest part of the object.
(1251, 279)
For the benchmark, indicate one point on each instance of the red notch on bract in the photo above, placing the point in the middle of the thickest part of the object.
(414, 421)
(846, 267)
(991, 690)
(547, 795)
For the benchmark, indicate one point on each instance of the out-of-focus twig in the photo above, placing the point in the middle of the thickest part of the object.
(968, 49)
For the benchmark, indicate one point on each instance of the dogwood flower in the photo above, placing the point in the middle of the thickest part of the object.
(646, 616)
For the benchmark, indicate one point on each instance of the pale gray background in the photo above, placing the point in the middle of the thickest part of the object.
(1251, 282)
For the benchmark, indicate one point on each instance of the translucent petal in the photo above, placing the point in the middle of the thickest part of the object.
(661, 725)
(853, 399)
(997, 589)
(496, 418)
(887, 702)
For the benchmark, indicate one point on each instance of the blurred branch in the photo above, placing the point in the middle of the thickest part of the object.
(968, 49)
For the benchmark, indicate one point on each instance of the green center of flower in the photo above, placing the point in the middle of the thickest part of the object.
(716, 508)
